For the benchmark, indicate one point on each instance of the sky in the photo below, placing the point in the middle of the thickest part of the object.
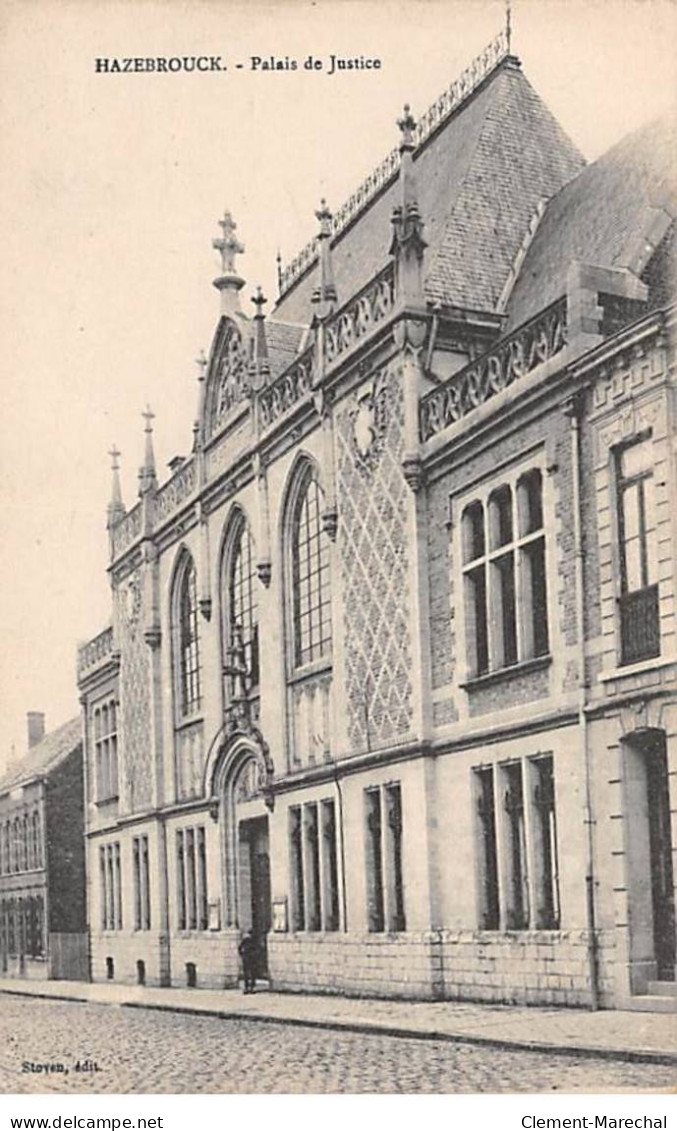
(113, 184)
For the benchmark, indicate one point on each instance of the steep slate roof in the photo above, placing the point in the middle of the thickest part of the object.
(44, 756)
(602, 217)
(480, 178)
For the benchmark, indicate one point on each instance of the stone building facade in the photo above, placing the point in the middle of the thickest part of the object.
(42, 857)
(390, 678)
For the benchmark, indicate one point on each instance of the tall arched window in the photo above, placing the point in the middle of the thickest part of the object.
(241, 599)
(311, 595)
(187, 640)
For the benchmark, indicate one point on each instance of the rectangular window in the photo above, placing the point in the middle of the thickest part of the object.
(504, 576)
(375, 901)
(330, 901)
(118, 888)
(638, 552)
(180, 883)
(385, 880)
(202, 899)
(106, 751)
(393, 858)
(298, 911)
(191, 893)
(191, 880)
(489, 912)
(141, 883)
(111, 887)
(313, 866)
(544, 834)
(517, 910)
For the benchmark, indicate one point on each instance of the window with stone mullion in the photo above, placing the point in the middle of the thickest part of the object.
(189, 644)
(243, 603)
(310, 577)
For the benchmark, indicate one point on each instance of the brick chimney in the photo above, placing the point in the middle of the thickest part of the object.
(36, 727)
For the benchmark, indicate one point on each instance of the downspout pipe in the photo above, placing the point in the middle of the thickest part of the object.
(574, 412)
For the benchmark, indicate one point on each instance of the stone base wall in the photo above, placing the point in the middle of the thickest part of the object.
(214, 956)
(356, 964)
(126, 948)
(525, 967)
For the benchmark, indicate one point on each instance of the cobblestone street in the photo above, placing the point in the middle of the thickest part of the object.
(139, 1050)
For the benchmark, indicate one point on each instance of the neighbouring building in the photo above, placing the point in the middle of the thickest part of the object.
(43, 931)
(391, 672)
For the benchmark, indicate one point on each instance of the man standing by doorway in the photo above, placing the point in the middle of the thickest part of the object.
(247, 951)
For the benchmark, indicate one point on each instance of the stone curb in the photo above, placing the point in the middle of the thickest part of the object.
(598, 1052)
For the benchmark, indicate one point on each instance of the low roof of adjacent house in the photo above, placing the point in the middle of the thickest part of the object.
(45, 756)
(614, 213)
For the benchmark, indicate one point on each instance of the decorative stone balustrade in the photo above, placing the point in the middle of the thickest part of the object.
(530, 345)
(358, 318)
(286, 390)
(127, 530)
(95, 652)
(441, 109)
(172, 494)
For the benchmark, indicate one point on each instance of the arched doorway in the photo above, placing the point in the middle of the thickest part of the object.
(239, 774)
(253, 862)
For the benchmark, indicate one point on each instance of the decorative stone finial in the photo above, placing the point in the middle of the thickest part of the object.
(325, 293)
(407, 125)
(229, 283)
(278, 260)
(325, 217)
(116, 509)
(228, 244)
(147, 474)
(260, 366)
(508, 24)
(408, 243)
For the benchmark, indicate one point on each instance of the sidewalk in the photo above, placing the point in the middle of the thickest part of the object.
(612, 1034)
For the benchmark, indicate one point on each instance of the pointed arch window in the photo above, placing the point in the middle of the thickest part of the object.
(311, 593)
(242, 600)
(187, 641)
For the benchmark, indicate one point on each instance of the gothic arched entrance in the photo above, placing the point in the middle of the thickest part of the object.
(253, 862)
(239, 773)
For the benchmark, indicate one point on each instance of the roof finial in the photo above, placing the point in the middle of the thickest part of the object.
(407, 125)
(229, 282)
(260, 365)
(116, 508)
(147, 476)
(278, 260)
(508, 24)
(325, 293)
(198, 424)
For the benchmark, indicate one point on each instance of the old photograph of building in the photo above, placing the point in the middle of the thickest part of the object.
(382, 716)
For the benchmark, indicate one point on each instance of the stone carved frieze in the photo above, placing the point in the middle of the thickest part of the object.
(529, 346)
(286, 390)
(360, 316)
(173, 493)
(127, 530)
